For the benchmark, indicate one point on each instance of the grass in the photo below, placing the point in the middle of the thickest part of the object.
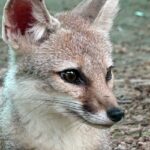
(131, 26)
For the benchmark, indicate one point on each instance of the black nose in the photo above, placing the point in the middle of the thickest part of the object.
(115, 114)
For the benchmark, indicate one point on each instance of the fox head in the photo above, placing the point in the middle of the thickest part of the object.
(70, 54)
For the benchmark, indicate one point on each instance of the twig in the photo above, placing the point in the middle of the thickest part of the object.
(124, 101)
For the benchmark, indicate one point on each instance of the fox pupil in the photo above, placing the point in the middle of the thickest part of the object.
(70, 76)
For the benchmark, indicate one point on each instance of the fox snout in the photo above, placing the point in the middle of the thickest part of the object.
(115, 114)
(99, 109)
(108, 115)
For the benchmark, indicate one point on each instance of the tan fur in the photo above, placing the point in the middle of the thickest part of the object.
(36, 100)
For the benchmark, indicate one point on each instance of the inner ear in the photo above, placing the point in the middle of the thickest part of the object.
(27, 21)
(20, 14)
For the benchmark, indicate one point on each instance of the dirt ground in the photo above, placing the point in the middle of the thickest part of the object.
(131, 38)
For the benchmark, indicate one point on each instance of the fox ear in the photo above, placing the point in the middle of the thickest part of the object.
(105, 18)
(28, 20)
(89, 9)
(100, 13)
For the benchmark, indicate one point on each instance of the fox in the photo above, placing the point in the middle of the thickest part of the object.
(58, 90)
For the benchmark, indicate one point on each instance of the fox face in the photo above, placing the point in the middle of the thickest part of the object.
(69, 54)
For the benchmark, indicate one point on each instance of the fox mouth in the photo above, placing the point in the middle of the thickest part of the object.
(98, 120)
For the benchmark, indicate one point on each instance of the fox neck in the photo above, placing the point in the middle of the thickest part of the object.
(52, 132)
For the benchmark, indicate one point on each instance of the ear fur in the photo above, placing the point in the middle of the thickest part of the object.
(105, 18)
(27, 18)
(101, 13)
(89, 9)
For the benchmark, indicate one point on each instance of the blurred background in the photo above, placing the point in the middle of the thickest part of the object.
(131, 38)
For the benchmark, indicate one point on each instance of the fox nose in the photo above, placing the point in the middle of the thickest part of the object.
(115, 114)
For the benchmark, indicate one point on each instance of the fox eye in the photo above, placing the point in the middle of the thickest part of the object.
(72, 76)
(109, 74)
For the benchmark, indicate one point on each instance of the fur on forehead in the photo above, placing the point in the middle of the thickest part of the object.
(77, 45)
(77, 35)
